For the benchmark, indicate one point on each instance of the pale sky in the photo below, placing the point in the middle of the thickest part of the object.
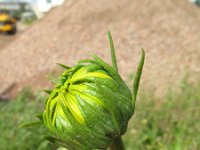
(18, 0)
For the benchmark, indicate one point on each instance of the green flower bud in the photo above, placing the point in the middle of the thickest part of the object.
(90, 105)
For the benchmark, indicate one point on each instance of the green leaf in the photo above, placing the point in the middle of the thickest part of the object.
(86, 61)
(109, 95)
(63, 79)
(40, 116)
(50, 138)
(53, 80)
(56, 141)
(48, 91)
(36, 123)
(107, 67)
(137, 77)
(112, 48)
(63, 66)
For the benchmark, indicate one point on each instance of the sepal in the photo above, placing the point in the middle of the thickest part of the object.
(36, 123)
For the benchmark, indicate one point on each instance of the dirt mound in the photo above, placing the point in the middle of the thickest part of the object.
(5, 40)
(167, 30)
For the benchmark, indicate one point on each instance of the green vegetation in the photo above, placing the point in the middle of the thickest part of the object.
(30, 21)
(169, 124)
(14, 112)
(196, 2)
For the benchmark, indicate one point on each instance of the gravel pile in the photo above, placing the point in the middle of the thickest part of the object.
(5, 40)
(167, 30)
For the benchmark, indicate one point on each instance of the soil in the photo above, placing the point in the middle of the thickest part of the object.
(167, 30)
(4, 40)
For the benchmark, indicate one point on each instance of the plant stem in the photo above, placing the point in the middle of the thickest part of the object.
(117, 144)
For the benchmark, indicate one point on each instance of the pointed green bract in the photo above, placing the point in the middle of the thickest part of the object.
(137, 77)
(48, 91)
(112, 48)
(63, 66)
(53, 80)
(36, 123)
(40, 116)
(90, 105)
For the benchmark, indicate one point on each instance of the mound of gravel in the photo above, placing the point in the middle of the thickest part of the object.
(167, 30)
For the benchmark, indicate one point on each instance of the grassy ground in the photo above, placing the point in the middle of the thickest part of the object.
(12, 113)
(173, 124)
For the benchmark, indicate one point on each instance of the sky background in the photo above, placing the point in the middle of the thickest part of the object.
(32, 1)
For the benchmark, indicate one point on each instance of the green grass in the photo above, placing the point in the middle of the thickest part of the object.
(14, 112)
(172, 123)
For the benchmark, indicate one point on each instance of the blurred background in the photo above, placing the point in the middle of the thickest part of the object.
(37, 34)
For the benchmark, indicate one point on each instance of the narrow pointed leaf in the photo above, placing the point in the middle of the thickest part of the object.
(36, 123)
(106, 66)
(40, 116)
(63, 79)
(112, 48)
(137, 77)
(50, 138)
(63, 66)
(47, 91)
(53, 80)
(87, 61)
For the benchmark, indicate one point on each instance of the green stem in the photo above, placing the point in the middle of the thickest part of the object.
(117, 144)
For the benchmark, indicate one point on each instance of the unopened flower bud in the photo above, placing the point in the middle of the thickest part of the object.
(91, 105)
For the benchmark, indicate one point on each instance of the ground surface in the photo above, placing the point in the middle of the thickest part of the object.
(4, 40)
(167, 30)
